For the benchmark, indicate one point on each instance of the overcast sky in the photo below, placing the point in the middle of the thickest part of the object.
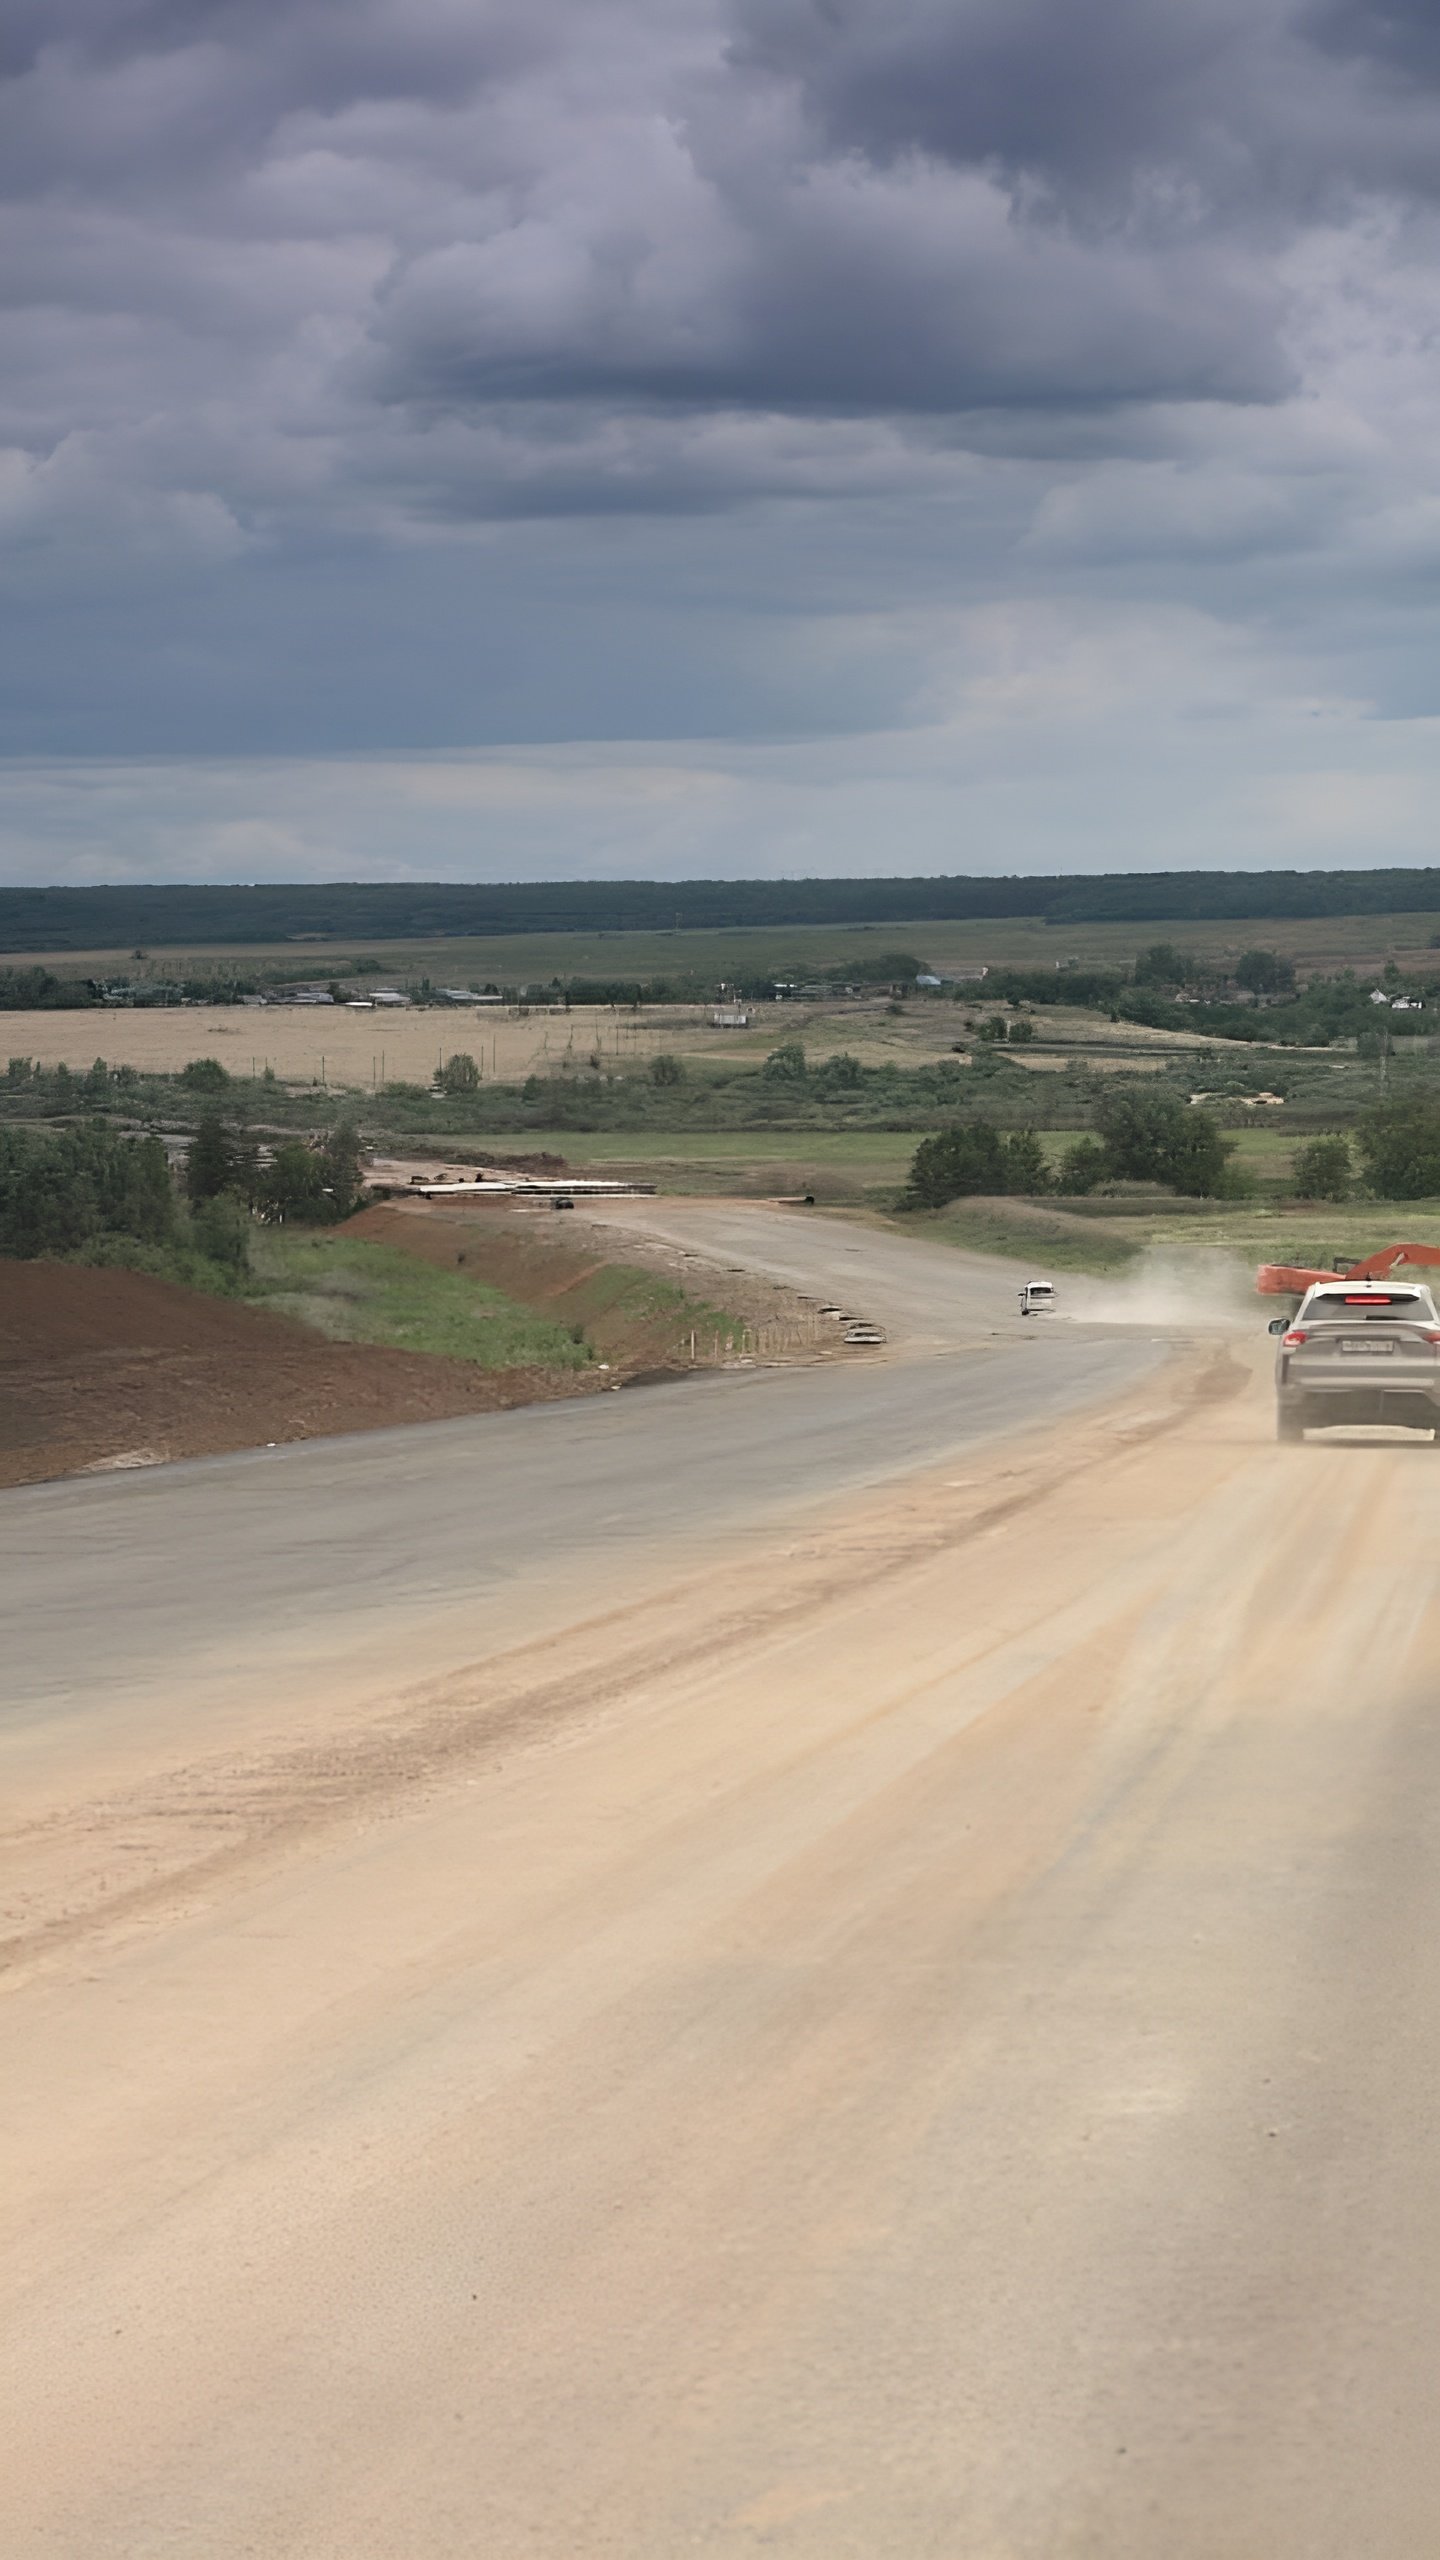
(506, 438)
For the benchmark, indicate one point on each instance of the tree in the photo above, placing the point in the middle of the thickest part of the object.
(665, 1070)
(1265, 973)
(1400, 1148)
(1199, 1156)
(341, 1167)
(459, 1074)
(204, 1075)
(292, 1185)
(955, 1164)
(1154, 1137)
(785, 1065)
(994, 1027)
(1083, 1167)
(1161, 966)
(1325, 1170)
(210, 1164)
(220, 1228)
(63, 1193)
(841, 1074)
(1025, 1165)
(1021, 1029)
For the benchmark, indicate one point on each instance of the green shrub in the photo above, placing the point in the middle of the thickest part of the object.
(973, 1158)
(1400, 1148)
(1325, 1170)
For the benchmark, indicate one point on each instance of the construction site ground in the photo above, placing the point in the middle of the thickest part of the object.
(110, 1369)
(105, 1369)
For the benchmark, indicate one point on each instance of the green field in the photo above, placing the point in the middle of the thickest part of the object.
(790, 951)
(842, 1163)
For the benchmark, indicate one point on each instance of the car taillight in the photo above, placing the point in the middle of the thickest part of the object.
(1430, 1333)
(1297, 1334)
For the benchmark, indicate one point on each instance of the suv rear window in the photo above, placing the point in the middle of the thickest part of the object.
(1350, 1307)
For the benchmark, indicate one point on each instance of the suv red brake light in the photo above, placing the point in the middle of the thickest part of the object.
(1296, 1335)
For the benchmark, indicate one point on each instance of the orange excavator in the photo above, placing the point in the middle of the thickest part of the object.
(1282, 1280)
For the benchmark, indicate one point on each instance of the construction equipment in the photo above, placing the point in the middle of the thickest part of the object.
(1284, 1280)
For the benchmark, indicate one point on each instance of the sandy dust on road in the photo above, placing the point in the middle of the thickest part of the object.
(925, 2049)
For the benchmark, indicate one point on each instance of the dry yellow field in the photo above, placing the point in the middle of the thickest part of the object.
(305, 1045)
(323, 1045)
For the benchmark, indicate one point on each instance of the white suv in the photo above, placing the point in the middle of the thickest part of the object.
(1358, 1351)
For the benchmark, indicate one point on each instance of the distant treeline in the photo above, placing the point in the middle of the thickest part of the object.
(161, 916)
(40, 991)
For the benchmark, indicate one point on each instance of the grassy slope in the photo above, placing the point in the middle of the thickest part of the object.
(358, 1292)
(356, 1289)
(1069, 1239)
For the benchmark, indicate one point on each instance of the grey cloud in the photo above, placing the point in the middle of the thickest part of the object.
(1083, 95)
(416, 371)
(1250, 113)
(871, 298)
(1402, 36)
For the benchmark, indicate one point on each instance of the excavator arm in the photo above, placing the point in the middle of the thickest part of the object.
(1285, 1280)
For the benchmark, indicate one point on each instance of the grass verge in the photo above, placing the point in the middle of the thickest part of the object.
(1024, 1231)
(1103, 1237)
(353, 1291)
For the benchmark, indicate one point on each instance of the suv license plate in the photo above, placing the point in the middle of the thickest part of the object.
(1354, 1342)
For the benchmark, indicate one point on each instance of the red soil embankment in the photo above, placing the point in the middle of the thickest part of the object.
(112, 1368)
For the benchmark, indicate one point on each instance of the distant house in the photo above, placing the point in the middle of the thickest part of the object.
(729, 1017)
(388, 995)
(927, 978)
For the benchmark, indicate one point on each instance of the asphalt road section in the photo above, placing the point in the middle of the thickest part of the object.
(924, 2046)
(400, 1549)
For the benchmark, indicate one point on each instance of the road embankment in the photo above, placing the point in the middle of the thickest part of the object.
(115, 1369)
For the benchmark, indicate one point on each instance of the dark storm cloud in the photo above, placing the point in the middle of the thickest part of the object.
(1204, 115)
(858, 208)
(368, 361)
(1402, 36)
(1084, 96)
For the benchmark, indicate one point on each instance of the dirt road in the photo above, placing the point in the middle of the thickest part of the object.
(922, 2046)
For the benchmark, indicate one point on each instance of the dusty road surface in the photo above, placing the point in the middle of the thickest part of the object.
(913, 2035)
